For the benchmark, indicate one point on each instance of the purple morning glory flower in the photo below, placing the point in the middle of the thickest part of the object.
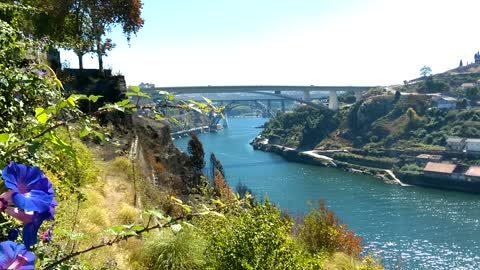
(13, 234)
(16, 256)
(32, 222)
(32, 191)
(41, 72)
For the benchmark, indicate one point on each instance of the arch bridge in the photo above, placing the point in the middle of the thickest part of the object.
(271, 90)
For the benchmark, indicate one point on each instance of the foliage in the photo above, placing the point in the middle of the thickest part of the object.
(425, 71)
(221, 188)
(242, 189)
(215, 166)
(195, 149)
(171, 249)
(472, 93)
(303, 128)
(322, 231)
(432, 86)
(81, 25)
(381, 162)
(411, 168)
(252, 238)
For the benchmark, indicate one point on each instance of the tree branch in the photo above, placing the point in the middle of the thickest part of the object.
(116, 240)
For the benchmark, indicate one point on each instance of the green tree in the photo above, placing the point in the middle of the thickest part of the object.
(215, 165)
(462, 104)
(322, 231)
(397, 96)
(472, 93)
(425, 71)
(81, 25)
(195, 149)
(105, 14)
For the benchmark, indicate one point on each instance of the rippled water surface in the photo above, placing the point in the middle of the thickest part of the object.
(409, 227)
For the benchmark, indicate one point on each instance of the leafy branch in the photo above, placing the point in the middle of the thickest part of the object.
(124, 232)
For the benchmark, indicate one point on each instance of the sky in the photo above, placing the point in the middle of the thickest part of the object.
(293, 42)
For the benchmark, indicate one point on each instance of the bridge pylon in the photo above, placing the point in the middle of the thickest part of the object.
(333, 100)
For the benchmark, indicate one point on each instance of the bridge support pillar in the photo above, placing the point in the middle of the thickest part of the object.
(283, 105)
(358, 96)
(306, 95)
(333, 101)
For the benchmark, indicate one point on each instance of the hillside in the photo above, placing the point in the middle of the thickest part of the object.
(409, 122)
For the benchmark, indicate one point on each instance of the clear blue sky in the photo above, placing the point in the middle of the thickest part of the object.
(294, 42)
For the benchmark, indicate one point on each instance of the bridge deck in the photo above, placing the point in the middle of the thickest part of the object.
(254, 88)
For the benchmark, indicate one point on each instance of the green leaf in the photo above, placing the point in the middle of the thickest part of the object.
(85, 131)
(209, 101)
(135, 89)
(71, 101)
(41, 116)
(59, 83)
(69, 234)
(141, 94)
(99, 135)
(187, 208)
(156, 213)
(65, 147)
(115, 229)
(173, 120)
(4, 137)
(137, 228)
(123, 102)
(94, 98)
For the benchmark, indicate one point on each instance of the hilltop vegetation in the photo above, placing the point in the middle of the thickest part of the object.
(405, 122)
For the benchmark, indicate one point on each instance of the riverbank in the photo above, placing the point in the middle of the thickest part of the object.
(314, 158)
(383, 171)
(399, 224)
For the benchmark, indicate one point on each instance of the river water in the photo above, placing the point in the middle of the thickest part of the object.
(408, 227)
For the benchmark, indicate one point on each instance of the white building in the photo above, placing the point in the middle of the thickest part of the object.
(455, 144)
(447, 103)
(472, 145)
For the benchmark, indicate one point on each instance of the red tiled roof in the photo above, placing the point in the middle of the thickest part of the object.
(473, 171)
(439, 167)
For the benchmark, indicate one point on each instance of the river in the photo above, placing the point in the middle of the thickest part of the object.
(408, 227)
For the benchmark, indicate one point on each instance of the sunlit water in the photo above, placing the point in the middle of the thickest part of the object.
(409, 227)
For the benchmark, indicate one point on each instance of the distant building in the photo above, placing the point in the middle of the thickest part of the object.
(424, 158)
(146, 85)
(446, 103)
(473, 173)
(455, 144)
(472, 145)
(467, 85)
(439, 170)
(477, 58)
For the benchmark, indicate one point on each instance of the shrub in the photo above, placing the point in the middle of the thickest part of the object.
(322, 231)
(127, 214)
(174, 250)
(255, 237)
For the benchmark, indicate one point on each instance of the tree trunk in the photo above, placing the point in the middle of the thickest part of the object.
(80, 60)
(99, 55)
